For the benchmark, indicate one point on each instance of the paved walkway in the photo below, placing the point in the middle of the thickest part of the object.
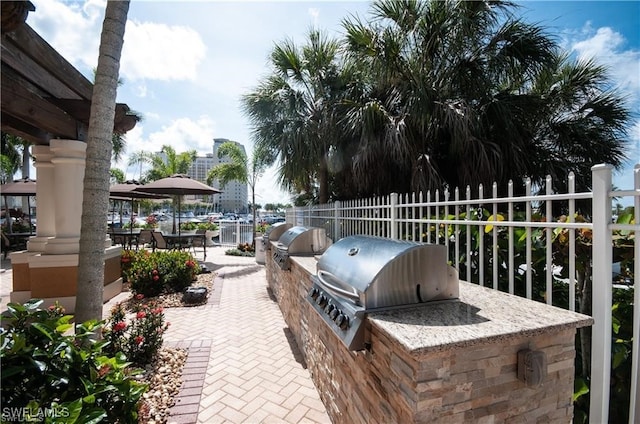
(243, 364)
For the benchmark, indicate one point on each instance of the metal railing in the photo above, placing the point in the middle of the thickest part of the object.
(475, 228)
(234, 232)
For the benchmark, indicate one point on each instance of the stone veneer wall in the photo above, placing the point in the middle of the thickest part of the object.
(388, 384)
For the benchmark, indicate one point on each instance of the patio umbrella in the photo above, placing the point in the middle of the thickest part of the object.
(128, 191)
(24, 187)
(178, 185)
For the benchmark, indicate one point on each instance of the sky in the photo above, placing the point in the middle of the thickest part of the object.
(186, 64)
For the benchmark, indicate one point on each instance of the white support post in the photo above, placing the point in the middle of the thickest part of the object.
(634, 406)
(68, 172)
(601, 295)
(394, 215)
(46, 196)
(549, 242)
(238, 232)
(529, 260)
(572, 244)
(336, 220)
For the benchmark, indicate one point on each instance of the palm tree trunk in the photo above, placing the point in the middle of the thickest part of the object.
(96, 177)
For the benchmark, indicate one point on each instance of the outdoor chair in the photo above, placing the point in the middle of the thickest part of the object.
(160, 242)
(198, 242)
(145, 238)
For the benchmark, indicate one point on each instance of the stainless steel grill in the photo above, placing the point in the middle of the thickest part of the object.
(362, 274)
(300, 241)
(274, 233)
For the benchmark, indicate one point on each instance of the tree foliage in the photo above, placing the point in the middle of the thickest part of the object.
(426, 94)
(168, 162)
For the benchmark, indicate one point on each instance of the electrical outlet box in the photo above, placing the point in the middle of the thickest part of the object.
(532, 367)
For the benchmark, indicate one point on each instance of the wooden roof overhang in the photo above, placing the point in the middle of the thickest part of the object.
(43, 96)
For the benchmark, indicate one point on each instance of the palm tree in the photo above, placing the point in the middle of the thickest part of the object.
(462, 93)
(167, 162)
(118, 141)
(139, 158)
(116, 176)
(11, 148)
(96, 181)
(292, 111)
(239, 168)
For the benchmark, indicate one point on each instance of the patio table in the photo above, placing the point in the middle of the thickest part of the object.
(181, 241)
(126, 238)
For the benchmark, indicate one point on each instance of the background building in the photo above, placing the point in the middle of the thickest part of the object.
(235, 195)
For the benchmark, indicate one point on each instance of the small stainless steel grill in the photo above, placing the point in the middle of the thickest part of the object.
(362, 274)
(274, 233)
(300, 241)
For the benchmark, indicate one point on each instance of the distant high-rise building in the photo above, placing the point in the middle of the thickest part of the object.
(234, 196)
(201, 166)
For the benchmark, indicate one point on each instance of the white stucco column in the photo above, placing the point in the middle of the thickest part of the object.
(68, 172)
(45, 198)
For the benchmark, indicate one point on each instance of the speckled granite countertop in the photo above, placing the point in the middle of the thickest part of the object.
(479, 316)
(309, 263)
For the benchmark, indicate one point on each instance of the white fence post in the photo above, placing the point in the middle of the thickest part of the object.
(393, 215)
(634, 407)
(336, 220)
(601, 295)
(238, 232)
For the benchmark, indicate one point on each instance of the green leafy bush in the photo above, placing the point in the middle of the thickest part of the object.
(67, 377)
(207, 226)
(154, 273)
(238, 252)
(188, 226)
(140, 337)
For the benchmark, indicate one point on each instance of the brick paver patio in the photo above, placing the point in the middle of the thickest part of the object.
(242, 365)
(253, 372)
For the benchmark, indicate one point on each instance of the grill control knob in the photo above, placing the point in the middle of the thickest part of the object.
(321, 300)
(334, 313)
(329, 308)
(314, 292)
(342, 321)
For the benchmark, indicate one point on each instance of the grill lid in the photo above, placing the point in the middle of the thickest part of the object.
(375, 272)
(303, 240)
(274, 233)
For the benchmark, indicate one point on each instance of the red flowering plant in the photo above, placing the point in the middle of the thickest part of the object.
(151, 274)
(126, 259)
(179, 269)
(140, 337)
(151, 222)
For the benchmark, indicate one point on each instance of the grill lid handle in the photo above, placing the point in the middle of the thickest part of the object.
(337, 287)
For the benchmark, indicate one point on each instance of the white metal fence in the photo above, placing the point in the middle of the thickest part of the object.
(234, 232)
(512, 243)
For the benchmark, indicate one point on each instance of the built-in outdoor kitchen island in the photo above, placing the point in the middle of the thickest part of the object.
(471, 354)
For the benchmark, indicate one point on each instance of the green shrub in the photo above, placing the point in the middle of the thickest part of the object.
(154, 273)
(238, 252)
(140, 338)
(207, 226)
(188, 226)
(68, 377)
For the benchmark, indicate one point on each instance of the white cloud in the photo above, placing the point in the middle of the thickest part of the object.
(161, 52)
(314, 12)
(606, 46)
(182, 134)
(71, 28)
(185, 134)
